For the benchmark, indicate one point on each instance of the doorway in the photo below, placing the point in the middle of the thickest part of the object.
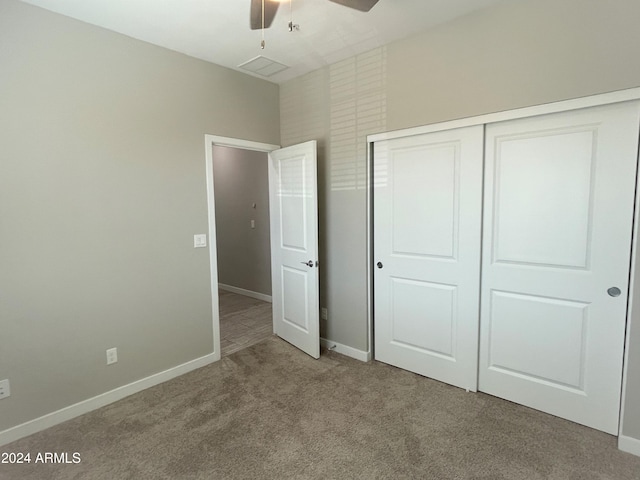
(241, 190)
(293, 212)
(230, 302)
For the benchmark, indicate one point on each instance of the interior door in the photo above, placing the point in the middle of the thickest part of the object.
(427, 221)
(558, 210)
(293, 206)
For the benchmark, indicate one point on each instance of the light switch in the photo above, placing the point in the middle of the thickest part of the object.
(253, 224)
(200, 240)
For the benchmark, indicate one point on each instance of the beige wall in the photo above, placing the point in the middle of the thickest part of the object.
(518, 54)
(241, 179)
(102, 187)
(522, 53)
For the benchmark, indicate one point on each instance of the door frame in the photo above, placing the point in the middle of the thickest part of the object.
(209, 142)
(624, 443)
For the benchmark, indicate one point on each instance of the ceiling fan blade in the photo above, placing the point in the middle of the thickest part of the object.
(270, 9)
(362, 5)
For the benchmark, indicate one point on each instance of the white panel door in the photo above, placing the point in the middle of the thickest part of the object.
(427, 216)
(558, 209)
(293, 206)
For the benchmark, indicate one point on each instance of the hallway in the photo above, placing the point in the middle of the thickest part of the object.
(244, 321)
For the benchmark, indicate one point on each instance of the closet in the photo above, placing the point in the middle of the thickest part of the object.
(501, 254)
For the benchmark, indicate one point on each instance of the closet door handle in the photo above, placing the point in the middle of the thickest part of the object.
(379, 265)
(308, 264)
(614, 292)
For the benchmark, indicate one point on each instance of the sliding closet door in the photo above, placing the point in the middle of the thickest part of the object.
(558, 209)
(427, 215)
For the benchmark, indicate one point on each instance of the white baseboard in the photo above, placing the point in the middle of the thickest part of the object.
(28, 428)
(246, 293)
(345, 350)
(629, 445)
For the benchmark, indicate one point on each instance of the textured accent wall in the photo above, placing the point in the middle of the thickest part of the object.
(358, 107)
(303, 107)
(339, 106)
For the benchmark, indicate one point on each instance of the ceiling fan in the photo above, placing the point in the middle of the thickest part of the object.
(271, 7)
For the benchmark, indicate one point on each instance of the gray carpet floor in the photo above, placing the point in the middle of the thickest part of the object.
(271, 412)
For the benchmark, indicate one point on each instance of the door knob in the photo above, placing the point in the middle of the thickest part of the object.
(308, 264)
(379, 264)
(614, 292)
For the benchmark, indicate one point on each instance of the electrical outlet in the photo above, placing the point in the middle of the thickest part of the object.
(324, 314)
(112, 356)
(5, 391)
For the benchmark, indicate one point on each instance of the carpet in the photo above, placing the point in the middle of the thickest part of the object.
(272, 412)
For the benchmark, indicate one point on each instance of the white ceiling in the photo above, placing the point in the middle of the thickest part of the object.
(218, 30)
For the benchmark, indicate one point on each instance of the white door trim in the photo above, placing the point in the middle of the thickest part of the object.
(560, 106)
(209, 142)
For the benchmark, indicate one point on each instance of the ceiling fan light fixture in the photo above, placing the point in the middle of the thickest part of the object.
(362, 5)
(260, 20)
(257, 18)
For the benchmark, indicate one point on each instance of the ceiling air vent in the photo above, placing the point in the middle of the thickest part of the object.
(263, 66)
